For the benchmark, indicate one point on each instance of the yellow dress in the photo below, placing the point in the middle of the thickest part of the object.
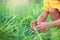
(51, 3)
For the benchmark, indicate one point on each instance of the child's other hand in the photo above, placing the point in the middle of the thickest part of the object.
(43, 26)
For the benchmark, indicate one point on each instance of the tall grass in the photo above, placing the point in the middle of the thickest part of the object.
(15, 23)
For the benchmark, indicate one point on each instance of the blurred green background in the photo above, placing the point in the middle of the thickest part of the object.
(15, 18)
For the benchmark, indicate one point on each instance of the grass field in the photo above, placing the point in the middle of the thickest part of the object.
(15, 23)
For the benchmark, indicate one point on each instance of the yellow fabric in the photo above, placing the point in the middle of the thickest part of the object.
(51, 3)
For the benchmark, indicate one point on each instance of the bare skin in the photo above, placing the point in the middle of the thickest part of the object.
(41, 25)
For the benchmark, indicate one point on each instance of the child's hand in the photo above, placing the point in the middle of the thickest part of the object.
(42, 26)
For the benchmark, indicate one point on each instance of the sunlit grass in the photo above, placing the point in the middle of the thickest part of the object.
(15, 22)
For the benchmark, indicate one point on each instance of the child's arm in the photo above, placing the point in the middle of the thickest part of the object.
(42, 17)
(55, 23)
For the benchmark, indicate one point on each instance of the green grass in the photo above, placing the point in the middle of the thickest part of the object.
(15, 23)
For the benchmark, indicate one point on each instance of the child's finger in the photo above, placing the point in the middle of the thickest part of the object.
(38, 27)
